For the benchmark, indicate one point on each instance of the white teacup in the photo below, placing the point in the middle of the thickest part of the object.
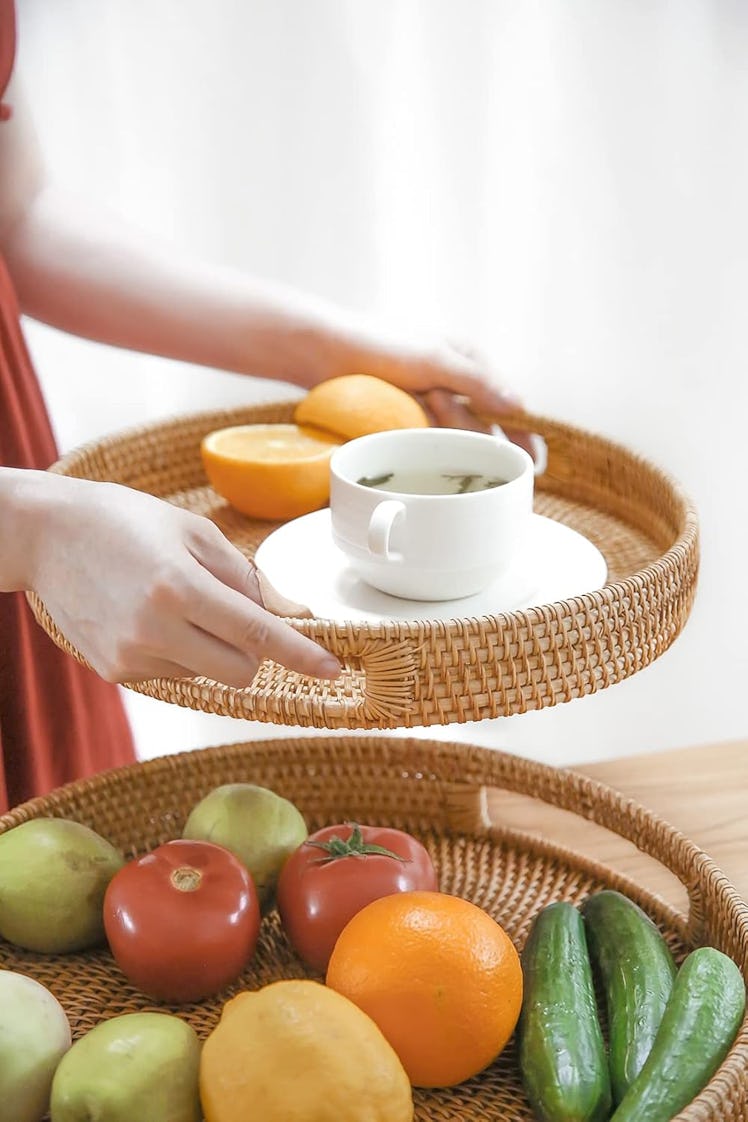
(407, 541)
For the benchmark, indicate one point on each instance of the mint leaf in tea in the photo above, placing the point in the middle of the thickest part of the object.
(424, 482)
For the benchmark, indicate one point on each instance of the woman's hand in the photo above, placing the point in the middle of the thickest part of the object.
(143, 589)
(456, 385)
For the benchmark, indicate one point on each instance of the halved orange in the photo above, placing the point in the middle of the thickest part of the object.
(270, 471)
(357, 404)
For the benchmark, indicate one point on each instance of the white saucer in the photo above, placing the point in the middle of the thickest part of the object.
(304, 564)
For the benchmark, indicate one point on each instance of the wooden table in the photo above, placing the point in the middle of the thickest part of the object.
(703, 792)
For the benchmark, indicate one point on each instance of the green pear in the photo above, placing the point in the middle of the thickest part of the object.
(53, 876)
(34, 1036)
(140, 1067)
(261, 828)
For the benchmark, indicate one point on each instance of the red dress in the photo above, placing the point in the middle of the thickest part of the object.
(58, 720)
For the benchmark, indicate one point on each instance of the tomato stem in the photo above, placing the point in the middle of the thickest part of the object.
(354, 846)
(186, 879)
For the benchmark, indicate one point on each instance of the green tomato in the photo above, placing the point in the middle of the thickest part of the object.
(34, 1036)
(261, 828)
(137, 1066)
(53, 876)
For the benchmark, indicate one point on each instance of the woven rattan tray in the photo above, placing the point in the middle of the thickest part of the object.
(438, 791)
(402, 674)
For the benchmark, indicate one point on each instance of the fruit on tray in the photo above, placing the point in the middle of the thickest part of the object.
(53, 876)
(34, 1036)
(281, 471)
(183, 920)
(336, 872)
(259, 827)
(139, 1067)
(438, 975)
(358, 404)
(637, 971)
(701, 1021)
(560, 1044)
(270, 471)
(298, 1050)
(423, 987)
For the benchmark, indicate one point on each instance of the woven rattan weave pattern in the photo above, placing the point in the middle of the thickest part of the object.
(436, 790)
(426, 673)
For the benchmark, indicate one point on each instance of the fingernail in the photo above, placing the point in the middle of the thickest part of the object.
(330, 668)
(278, 604)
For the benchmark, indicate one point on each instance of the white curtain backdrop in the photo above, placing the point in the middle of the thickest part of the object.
(563, 182)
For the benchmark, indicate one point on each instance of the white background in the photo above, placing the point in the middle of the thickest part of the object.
(564, 184)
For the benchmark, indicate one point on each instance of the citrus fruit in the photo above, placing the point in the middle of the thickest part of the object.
(357, 404)
(270, 471)
(438, 975)
(296, 1051)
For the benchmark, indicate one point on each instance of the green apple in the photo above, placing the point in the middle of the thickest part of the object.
(140, 1067)
(261, 828)
(34, 1036)
(53, 876)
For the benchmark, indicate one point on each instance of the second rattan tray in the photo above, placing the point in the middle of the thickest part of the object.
(402, 674)
(439, 791)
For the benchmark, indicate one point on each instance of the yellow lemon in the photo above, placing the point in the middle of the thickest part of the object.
(296, 1051)
(270, 471)
(357, 404)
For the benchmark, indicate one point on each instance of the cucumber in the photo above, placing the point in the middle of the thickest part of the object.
(561, 1051)
(701, 1021)
(637, 972)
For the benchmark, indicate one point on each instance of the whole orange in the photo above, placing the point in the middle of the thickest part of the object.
(356, 404)
(438, 975)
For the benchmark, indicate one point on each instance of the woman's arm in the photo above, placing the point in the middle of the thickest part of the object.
(91, 274)
(88, 272)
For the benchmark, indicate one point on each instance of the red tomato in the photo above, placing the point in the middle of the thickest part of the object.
(183, 920)
(335, 873)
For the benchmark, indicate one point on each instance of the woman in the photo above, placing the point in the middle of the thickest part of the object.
(141, 588)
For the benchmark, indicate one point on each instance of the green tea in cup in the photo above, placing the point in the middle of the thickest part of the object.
(406, 481)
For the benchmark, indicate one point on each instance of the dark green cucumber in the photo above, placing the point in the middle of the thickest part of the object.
(702, 1018)
(561, 1051)
(637, 972)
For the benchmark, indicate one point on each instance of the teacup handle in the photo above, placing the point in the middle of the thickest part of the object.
(382, 520)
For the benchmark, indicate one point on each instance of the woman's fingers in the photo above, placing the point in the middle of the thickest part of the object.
(462, 371)
(225, 605)
(448, 411)
(278, 604)
(525, 440)
(202, 655)
(217, 554)
(149, 668)
(253, 631)
(463, 394)
(199, 654)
